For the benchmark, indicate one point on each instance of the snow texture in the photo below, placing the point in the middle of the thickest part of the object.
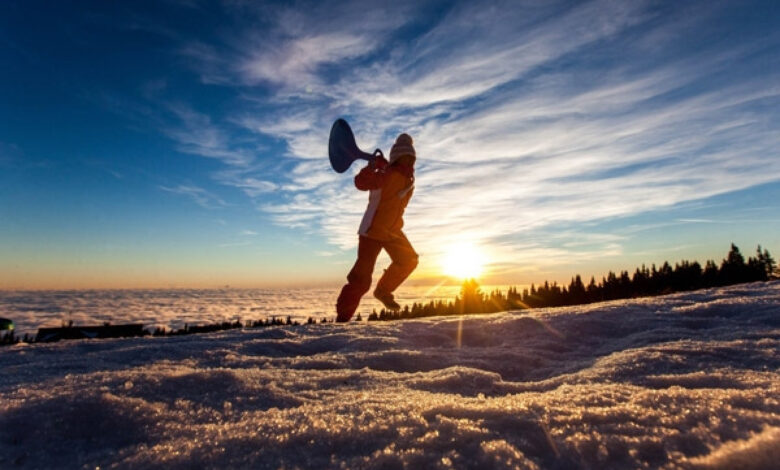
(683, 381)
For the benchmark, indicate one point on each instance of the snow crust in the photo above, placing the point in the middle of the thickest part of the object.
(684, 381)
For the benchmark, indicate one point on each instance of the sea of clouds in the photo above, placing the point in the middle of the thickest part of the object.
(173, 308)
(688, 380)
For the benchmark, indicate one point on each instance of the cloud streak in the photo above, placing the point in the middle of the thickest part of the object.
(202, 197)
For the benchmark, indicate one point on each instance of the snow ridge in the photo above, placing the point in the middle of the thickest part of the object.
(688, 380)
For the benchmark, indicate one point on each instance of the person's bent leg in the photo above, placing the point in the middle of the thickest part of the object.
(358, 279)
(404, 261)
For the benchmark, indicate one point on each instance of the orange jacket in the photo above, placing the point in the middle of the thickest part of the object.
(391, 188)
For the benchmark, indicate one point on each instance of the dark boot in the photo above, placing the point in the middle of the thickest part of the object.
(387, 300)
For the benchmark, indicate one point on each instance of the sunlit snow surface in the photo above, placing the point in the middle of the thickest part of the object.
(683, 381)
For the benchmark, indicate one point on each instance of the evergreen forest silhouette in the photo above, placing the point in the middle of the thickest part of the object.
(644, 282)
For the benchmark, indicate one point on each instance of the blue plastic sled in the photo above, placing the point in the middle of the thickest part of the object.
(342, 148)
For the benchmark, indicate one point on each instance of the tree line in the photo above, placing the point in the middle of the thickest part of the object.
(644, 282)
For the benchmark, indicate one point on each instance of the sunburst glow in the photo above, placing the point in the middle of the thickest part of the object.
(463, 260)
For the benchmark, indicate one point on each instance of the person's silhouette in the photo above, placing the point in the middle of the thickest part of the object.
(391, 185)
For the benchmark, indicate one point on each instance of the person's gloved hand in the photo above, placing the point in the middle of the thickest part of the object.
(379, 162)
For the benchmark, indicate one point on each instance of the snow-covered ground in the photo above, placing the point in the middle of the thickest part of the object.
(684, 381)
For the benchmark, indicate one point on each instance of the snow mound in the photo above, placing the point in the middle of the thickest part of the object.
(684, 381)
(760, 450)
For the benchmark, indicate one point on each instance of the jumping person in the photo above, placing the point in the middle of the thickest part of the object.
(391, 185)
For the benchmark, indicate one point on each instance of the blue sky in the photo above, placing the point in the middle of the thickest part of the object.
(183, 143)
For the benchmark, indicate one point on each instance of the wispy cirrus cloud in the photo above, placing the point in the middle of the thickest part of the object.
(476, 48)
(297, 59)
(247, 179)
(195, 134)
(525, 115)
(201, 196)
(295, 43)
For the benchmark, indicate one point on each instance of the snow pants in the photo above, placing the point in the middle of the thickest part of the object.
(404, 260)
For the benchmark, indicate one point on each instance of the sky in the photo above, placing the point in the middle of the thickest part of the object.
(183, 143)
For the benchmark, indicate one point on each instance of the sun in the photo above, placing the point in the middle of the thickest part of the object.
(463, 261)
